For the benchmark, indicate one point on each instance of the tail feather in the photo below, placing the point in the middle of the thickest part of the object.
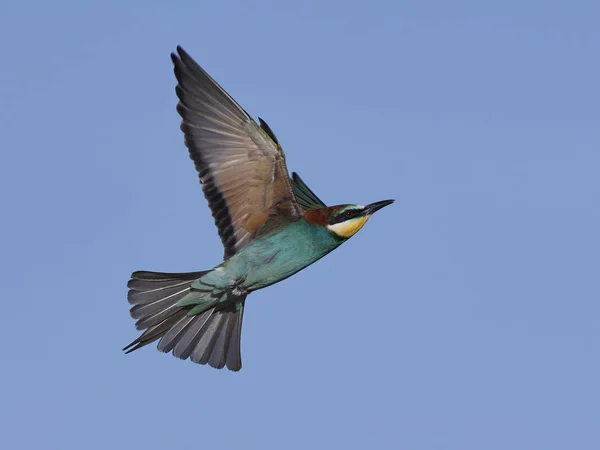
(151, 296)
(207, 339)
(172, 336)
(210, 337)
(151, 309)
(234, 355)
(218, 356)
(149, 336)
(147, 282)
(219, 343)
(189, 338)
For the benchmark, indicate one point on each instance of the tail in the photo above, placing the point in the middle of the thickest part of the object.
(208, 332)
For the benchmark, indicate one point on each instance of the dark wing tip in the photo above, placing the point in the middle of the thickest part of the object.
(265, 126)
(182, 61)
(187, 60)
(180, 55)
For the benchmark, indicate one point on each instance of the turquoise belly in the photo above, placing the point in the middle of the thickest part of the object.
(279, 255)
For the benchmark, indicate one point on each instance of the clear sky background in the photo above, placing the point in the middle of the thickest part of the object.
(466, 316)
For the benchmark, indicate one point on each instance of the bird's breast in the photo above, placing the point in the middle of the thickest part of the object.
(280, 254)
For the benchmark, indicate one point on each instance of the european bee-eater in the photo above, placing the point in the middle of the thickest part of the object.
(271, 227)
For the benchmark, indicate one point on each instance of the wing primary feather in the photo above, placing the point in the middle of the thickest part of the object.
(265, 126)
(306, 198)
(240, 163)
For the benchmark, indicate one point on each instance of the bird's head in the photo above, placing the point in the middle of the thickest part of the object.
(344, 221)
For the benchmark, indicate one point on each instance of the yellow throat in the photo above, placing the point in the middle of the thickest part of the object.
(348, 228)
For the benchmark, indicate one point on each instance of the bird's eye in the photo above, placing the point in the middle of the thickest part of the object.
(348, 213)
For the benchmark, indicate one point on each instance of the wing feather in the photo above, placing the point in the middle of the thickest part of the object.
(304, 196)
(241, 167)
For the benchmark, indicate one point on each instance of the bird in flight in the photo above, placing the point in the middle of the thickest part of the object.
(271, 227)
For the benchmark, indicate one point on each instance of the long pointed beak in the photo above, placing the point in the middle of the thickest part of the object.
(370, 209)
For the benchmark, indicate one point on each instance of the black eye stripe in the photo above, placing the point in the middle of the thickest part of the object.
(345, 215)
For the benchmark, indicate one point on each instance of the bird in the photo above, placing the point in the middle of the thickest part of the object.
(271, 226)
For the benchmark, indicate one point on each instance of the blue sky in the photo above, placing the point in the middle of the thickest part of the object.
(465, 316)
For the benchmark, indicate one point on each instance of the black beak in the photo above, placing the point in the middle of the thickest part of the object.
(370, 209)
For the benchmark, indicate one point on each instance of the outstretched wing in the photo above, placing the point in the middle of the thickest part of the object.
(304, 196)
(242, 169)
